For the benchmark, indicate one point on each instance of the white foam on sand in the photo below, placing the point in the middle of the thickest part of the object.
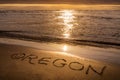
(111, 55)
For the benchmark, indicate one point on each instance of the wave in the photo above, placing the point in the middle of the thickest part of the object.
(99, 17)
(41, 12)
(49, 39)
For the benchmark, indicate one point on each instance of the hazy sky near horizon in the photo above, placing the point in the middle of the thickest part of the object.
(62, 1)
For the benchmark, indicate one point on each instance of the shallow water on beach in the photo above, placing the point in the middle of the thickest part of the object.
(96, 26)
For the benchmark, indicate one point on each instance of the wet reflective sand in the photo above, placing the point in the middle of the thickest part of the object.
(18, 63)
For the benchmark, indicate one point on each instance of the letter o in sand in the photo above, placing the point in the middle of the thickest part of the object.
(76, 66)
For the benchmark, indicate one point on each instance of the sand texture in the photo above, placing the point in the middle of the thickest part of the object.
(24, 63)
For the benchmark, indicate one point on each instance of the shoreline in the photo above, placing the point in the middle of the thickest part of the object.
(17, 62)
(110, 55)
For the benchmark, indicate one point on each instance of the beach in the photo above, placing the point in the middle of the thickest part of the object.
(66, 42)
(27, 63)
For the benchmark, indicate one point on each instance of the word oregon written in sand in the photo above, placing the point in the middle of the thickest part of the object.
(59, 63)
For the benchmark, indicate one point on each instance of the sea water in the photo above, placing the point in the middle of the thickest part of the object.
(68, 25)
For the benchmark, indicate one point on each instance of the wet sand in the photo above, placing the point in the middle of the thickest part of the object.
(25, 63)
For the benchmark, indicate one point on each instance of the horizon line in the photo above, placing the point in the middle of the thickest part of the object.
(33, 4)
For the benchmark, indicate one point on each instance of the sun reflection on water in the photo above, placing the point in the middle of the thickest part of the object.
(65, 48)
(66, 35)
(68, 19)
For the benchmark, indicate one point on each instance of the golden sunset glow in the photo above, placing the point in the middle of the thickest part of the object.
(65, 48)
(67, 35)
(59, 39)
(68, 19)
(64, 6)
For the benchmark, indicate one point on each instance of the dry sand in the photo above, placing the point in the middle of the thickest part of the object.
(24, 63)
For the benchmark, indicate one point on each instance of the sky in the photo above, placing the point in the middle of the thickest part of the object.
(62, 1)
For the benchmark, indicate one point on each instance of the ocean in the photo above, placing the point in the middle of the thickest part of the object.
(86, 27)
